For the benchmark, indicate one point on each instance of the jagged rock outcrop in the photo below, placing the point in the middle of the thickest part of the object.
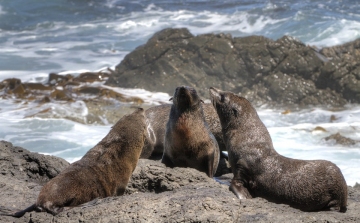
(20, 163)
(284, 71)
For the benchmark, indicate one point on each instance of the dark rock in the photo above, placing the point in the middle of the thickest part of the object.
(342, 140)
(156, 193)
(246, 65)
(19, 91)
(108, 93)
(60, 95)
(89, 90)
(55, 79)
(37, 86)
(21, 164)
(91, 77)
(11, 83)
(64, 88)
(342, 72)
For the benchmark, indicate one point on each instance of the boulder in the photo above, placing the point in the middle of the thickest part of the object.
(283, 71)
(341, 140)
(156, 193)
(21, 164)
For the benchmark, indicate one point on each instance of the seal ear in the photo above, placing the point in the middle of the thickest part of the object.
(222, 98)
(235, 111)
(171, 99)
(214, 94)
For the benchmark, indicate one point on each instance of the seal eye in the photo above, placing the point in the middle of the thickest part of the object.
(235, 112)
(222, 99)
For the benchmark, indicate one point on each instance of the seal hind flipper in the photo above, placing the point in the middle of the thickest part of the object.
(167, 161)
(343, 209)
(239, 190)
(210, 171)
(17, 213)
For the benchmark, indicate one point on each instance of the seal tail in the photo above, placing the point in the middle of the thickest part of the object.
(16, 213)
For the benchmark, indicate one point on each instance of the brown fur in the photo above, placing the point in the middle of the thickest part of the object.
(156, 120)
(103, 171)
(259, 170)
(188, 140)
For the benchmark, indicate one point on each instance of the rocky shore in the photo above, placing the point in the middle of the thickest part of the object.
(283, 72)
(154, 194)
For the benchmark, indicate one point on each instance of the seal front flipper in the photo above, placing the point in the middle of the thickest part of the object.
(167, 161)
(239, 190)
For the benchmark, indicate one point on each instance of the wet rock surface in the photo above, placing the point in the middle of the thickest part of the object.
(283, 71)
(342, 140)
(159, 194)
(17, 162)
(82, 98)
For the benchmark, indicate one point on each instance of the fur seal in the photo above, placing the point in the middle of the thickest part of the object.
(188, 139)
(156, 120)
(309, 185)
(103, 171)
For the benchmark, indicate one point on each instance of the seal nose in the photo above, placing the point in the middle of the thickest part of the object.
(182, 89)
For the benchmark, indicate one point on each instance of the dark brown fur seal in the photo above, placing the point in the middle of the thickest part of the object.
(188, 139)
(156, 120)
(309, 185)
(103, 171)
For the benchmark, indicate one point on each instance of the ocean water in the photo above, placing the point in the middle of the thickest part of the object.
(72, 36)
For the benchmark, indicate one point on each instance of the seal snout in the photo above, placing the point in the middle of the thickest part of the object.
(185, 97)
(215, 95)
(182, 90)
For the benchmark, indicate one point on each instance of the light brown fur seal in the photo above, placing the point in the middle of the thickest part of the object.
(103, 171)
(156, 120)
(188, 140)
(309, 185)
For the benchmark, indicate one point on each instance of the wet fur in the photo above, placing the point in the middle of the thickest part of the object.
(259, 171)
(103, 171)
(188, 140)
(156, 120)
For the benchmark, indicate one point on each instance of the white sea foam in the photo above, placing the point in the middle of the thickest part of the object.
(338, 33)
(148, 97)
(294, 136)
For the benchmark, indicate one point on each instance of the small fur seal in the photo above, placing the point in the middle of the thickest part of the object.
(103, 171)
(188, 139)
(308, 185)
(156, 120)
